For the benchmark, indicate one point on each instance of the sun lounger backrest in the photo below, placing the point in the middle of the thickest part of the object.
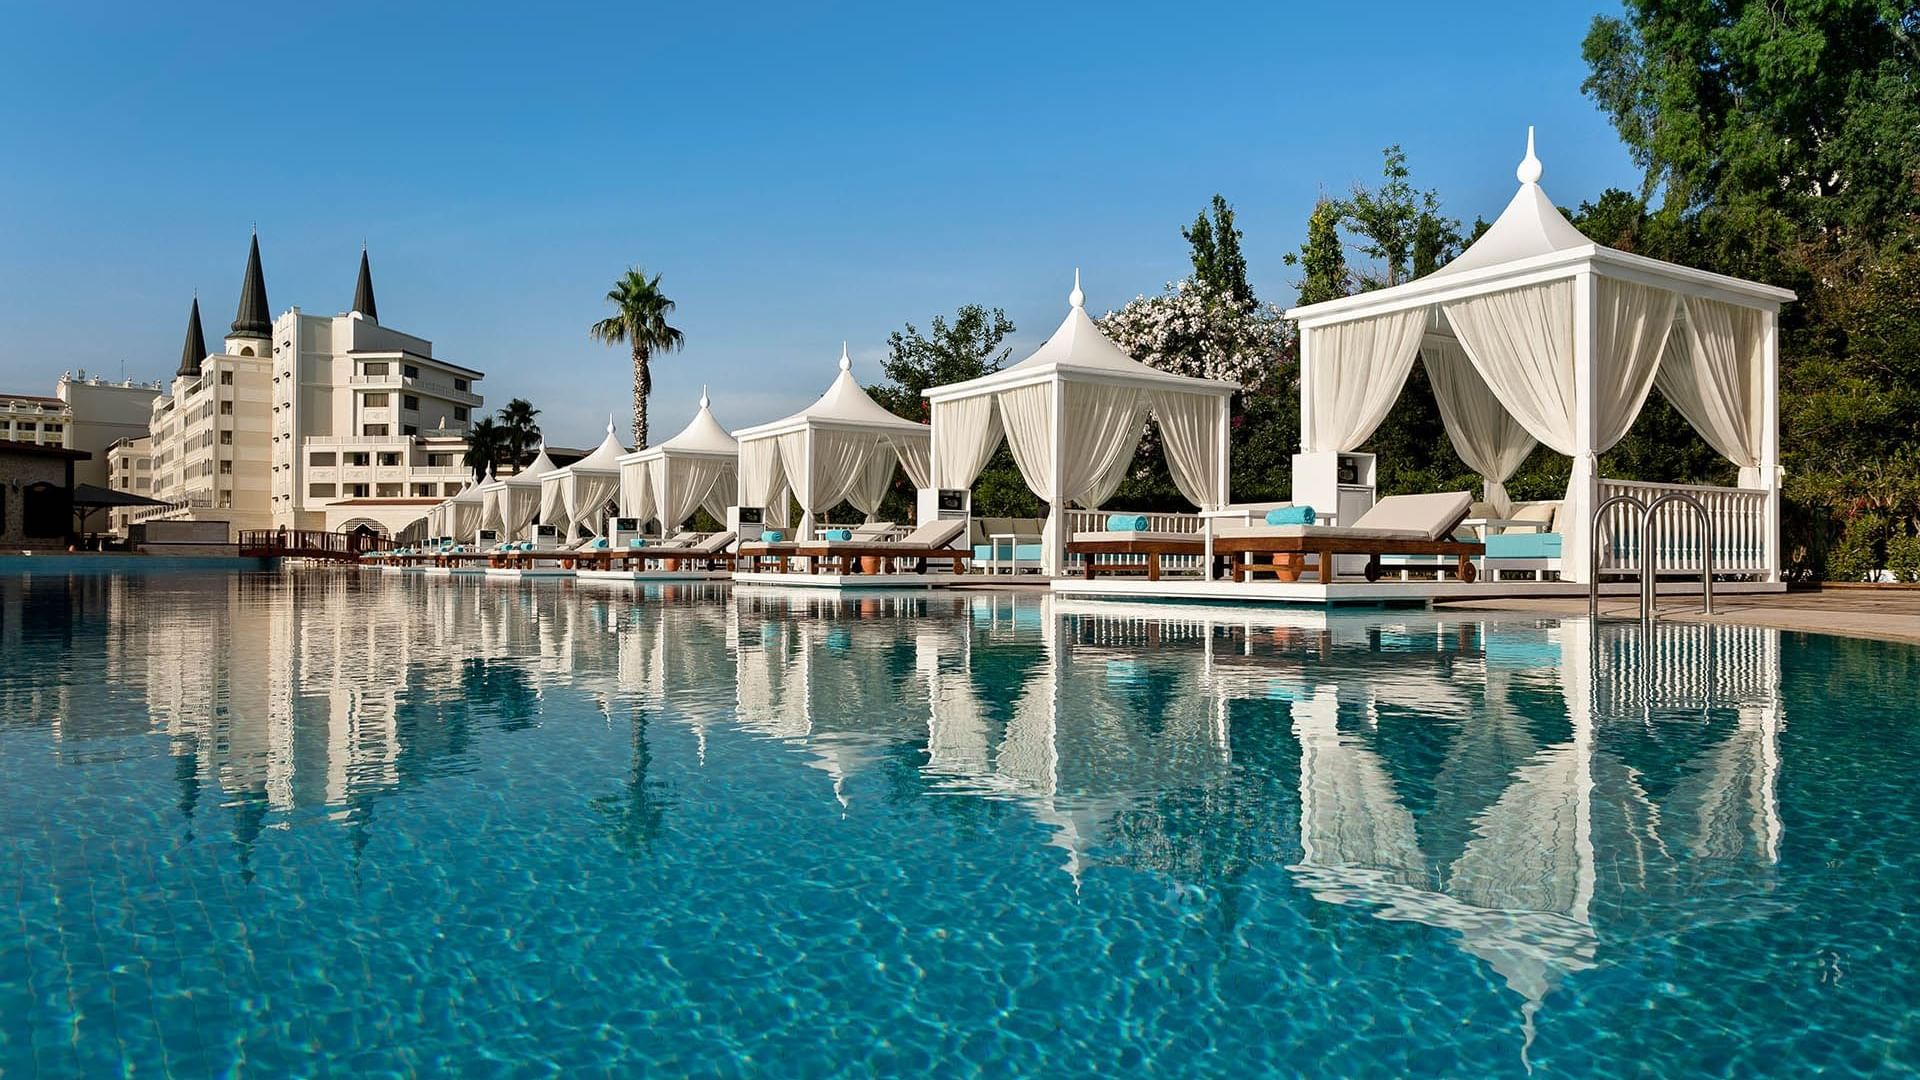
(717, 542)
(934, 534)
(1436, 515)
(872, 530)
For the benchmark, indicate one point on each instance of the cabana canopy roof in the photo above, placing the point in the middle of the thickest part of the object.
(604, 459)
(1078, 352)
(703, 436)
(845, 405)
(696, 468)
(530, 476)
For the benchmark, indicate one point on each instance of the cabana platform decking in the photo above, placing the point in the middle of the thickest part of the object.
(1377, 592)
(537, 570)
(655, 575)
(857, 581)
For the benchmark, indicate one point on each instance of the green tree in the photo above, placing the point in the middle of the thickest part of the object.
(521, 430)
(1323, 258)
(1218, 264)
(1398, 227)
(486, 446)
(639, 321)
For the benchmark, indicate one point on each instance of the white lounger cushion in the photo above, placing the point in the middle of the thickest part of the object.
(933, 534)
(1432, 516)
(1316, 532)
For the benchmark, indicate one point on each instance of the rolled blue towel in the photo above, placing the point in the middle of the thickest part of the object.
(772, 536)
(836, 534)
(1291, 515)
(600, 544)
(1126, 523)
(637, 542)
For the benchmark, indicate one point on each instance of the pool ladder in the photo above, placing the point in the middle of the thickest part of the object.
(1650, 555)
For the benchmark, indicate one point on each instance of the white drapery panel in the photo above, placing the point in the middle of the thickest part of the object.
(967, 432)
(1358, 370)
(519, 505)
(1190, 436)
(1712, 374)
(680, 484)
(840, 460)
(875, 478)
(636, 491)
(553, 502)
(465, 518)
(1027, 413)
(1631, 324)
(914, 457)
(722, 492)
(587, 497)
(762, 482)
(1521, 343)
(490, 515)
(1484, 434)
(1103, 425)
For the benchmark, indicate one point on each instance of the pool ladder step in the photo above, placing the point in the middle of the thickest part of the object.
(1649, 560)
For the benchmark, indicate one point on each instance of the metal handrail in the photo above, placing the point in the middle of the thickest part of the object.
(1649, 555)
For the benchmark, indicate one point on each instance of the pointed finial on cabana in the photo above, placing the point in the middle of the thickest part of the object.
(846, 362)
(609, 425)
(703, 396)
(1077, 298)
(1529, 170)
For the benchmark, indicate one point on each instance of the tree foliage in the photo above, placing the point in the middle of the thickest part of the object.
(639, 321)
(1218, 265)
(486, 447)
(521, 431)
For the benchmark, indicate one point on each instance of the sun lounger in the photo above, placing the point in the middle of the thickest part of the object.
(1147, 545)
(929, 542)
(1397, 525)
(781, 550)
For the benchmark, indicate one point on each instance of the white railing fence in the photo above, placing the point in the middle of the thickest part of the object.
(1741, 545)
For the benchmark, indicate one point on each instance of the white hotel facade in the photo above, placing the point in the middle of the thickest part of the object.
(310, 422)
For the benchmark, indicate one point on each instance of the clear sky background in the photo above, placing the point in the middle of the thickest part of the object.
(800, 173)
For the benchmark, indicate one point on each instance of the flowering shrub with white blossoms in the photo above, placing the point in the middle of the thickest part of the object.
(1192, 330)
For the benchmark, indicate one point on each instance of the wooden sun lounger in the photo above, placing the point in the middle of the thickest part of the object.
(1149, 547)
(846, 555)
(1290, 552)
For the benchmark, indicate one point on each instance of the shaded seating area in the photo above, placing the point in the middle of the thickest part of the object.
(576, 497)
(1398, 525)
(930, 542)
(1073, 414)
(1537, 335)
(696, 469)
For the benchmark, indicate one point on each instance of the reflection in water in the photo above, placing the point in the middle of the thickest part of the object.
(1536, 790)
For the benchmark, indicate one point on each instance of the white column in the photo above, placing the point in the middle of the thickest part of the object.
(1053, 556)
(1224, 490)
(1307, 379)
(1770, 438)
(805, 490)
(1576, 553)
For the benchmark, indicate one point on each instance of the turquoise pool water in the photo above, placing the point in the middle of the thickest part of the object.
(319, 824)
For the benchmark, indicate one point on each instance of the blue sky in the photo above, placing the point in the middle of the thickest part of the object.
(800, 173)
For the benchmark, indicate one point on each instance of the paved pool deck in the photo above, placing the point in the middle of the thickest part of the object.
(1891, 614)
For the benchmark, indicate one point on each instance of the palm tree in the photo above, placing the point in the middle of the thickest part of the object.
(485, 445)
(639, 320)
(522, 434)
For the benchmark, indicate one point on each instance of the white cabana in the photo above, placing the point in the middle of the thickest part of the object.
(576, 496)
(841, 447)
(462, 513)
(697, 468)
(1073, 414)
(513, 502)
(1536, 333)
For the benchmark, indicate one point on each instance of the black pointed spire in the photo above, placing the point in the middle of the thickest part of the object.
(254, 319)
(363, 290)
(195, 350)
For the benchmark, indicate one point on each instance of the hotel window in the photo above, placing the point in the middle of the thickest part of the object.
(410, 429)
(376, 401)
(319, 491)
(388, 458)
(423, 491)
(408, 401)
(389, 491)
(410, 371)
(460, 384)
(226, 408)
(322, 458)
(358, 458)
(226, 468)
(439, 461)
(25, 427)
(373, 429)
(226, 438)
(357, 491)
(459, 412)
(375, 369)
(226, 378)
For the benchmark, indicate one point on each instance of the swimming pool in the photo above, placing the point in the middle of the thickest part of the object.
(306, 823)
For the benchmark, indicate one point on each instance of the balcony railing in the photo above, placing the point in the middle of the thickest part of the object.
(1742, 543)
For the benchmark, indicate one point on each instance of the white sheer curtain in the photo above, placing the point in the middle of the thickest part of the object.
(1521, 343)
(636, 490)
(839, 463)
(762, 483)
(1103, 425)
(875, 477)
(913, 452)
(1358, 370)
(1027, 413)
(553, 501)
(680, 483)
(716, 499)
(1190, 436)
(1711, 373)
(967, 432)
(1484, 434)
(1631, 324)
(587, 495)
(520, 504)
